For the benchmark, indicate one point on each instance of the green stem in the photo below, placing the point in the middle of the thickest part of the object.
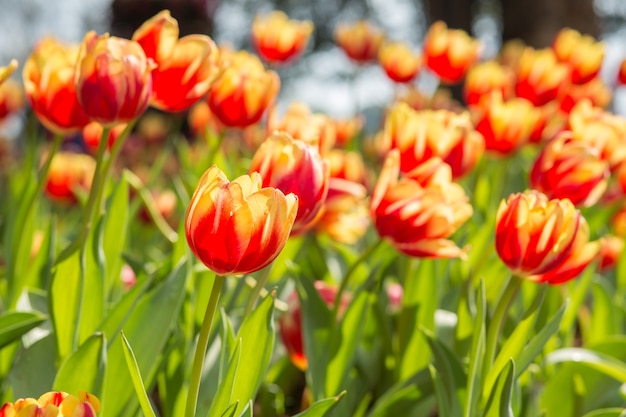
(346, 279)
(500, 313)
(264, 275)
(203, 342)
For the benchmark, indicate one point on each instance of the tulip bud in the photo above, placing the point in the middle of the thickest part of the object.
(449, 52)
(361, 41)
(295, 167)
(238, 227)
(279, 39)
(581, 52)
(113, 80)
(69, 173)
(484, 78)
(399, 62)
(540, 77)
(534, 235)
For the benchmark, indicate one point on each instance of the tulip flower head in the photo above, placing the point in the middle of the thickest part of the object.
(53, 404)
(113, 80)
(92, 133)
(361, 41)
(69, 174)
(348, 129)
(399, 62)
(48, 76)
(417, 219)
(567, 168)
(485, 77)
(238, 227)
(449, 52)
(294, 166)
(244, 90)
(186, 67)
(581, 52)
(596, 91)
(621, 73)
(11, 98)
(534, 235)
(279, 39)
(540, 77)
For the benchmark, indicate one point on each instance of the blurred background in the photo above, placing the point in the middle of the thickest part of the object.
(323, 77)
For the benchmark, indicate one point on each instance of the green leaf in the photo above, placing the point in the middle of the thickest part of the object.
(443, 405)
(84, 370)
(499, 404)
(606, 364)
(603, 313)
(94, 296)
(64, 295)
(230, 411)
(147, 328)
(14, 324)
(402, 397)
(321, 407)
(135, 375)
(476, 354)
(257, 337)
(607, 412)
(316, 324)
(247, 412)
(33, 368)
(344, 341)
(115, 232)
(225, 390)
(450, 375)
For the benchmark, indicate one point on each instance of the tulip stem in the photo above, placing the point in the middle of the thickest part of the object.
(201, 347)
(264, 275)
(344, 283)
(500, 313)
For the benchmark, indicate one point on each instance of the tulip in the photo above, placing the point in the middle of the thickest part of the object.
(49, 86)
(449, 52)
(595, 91)
(186, 67)
(344, 217)
(420, 136)
(347, 165)
(11, 98)
(534, 235)
(567, 168)
(238, 227)
(113, 80)
(348, 129)
(69, 173)
(244, 90)
(507, 125)
(582, 253)
(611, 249)
(279, 39)
(418, 220)
(53, 404)
(290, 323)
(399, 62)
(581, 52)
(484, 78)
(621, 73)
(201, 120)
(92, 133)
(361, 41)
(295, 167)
(315, 129)
(540, 77)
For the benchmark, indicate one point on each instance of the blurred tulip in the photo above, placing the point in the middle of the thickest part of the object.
(348, 129)
(290, 323)
(395, 294)
(595, 91)
(511, 52)
(422, 135)
(540, 77)
(313, 128)
(238, 227)
(418, 220)
(69, 173)
(113, 80)
(128, 277)
(567, 168)
(347, 165)
(449, 52)
(581, 52)
(7, 70)
(399, 62)
(244, 90)
(361, 40)
(11, 98)
(485, 77)
(186, 67)
(345, 215)
(618, 222)
(611, 249)
(293, 166)
(582, 253)
(279, 39)
(53, 404)
(506, 125)
(49, 86)
(534, 235)
(92, 133)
